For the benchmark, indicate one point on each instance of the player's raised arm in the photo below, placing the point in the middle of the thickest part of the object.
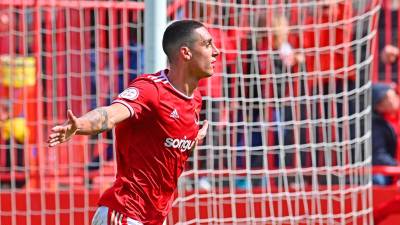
(93, 122)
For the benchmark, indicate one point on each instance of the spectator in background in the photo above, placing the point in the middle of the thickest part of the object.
(388, 39)
(287, 83)
(329, 62)
(389, 54)
(277, 64)
(385, 136)
(316, 39)
(323, 62)
(385, 128)
(330, 77)
(213, 89)
(387, 35)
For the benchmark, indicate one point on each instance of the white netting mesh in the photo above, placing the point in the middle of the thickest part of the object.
(289, 136)
(56, 55)
(288, 107)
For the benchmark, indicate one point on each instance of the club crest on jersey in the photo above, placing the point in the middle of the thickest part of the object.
(181, 144)
(129, 94)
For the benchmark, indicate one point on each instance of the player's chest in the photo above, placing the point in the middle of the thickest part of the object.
(178, 117)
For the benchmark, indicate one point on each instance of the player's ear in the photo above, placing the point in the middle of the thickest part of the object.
(185, 53)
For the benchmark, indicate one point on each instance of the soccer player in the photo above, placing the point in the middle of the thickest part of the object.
(156, 122)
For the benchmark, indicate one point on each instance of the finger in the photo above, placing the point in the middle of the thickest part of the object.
(55, 138)
(205, 125)
(54, 135)
(59, 129)
(203, 131)
(53, 141)
(54, 144)
(49, 140)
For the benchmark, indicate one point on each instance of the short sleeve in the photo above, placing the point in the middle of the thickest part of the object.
(141, 98)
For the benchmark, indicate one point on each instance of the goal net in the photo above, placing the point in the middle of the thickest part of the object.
(288, 106)
(54, 56)
(289, 113)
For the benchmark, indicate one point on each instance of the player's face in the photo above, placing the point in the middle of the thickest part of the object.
(204, 53)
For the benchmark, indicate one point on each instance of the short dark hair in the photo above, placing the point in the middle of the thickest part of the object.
(178, 33)
(379, 91)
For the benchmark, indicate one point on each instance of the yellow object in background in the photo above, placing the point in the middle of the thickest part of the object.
(18, 71)
(16, 127)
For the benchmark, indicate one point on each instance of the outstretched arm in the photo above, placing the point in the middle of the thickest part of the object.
(93, 122)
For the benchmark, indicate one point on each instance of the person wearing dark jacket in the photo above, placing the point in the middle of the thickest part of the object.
(385, 106)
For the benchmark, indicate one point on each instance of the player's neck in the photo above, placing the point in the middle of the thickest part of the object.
(181, 81)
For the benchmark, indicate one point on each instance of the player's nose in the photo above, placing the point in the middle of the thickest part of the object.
(215, 52)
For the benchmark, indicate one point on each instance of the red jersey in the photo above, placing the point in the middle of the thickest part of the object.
(152, 147)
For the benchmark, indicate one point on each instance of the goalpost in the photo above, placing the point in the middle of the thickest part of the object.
(289, 109)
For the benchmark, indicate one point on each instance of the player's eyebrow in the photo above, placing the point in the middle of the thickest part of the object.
(208, 41)
(202, 42)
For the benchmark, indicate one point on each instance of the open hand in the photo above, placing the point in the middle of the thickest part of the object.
(63, 133)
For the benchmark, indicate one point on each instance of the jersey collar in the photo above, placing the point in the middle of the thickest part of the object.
(164, 75)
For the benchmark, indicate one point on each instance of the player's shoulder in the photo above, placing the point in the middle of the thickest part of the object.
(153, 78)
(149, 81)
